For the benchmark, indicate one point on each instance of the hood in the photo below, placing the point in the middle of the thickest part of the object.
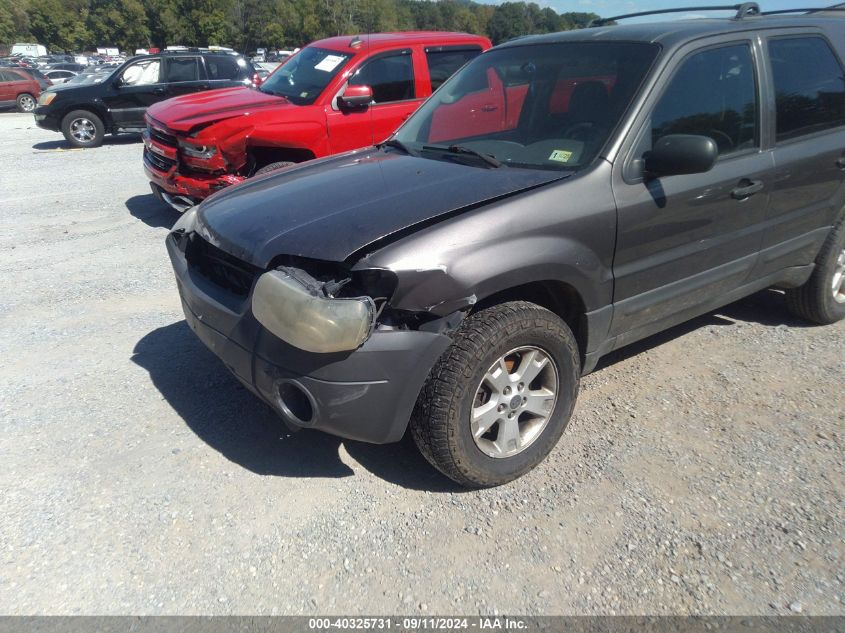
(185, 112)
(330, 209)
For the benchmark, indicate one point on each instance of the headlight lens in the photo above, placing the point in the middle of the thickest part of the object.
(186, 221)
(197, 151)
(307, 320)
(46, 98)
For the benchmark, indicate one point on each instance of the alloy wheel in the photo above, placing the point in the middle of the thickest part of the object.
(27, 103)
(838, 283)
(514, 402)
(82, 129)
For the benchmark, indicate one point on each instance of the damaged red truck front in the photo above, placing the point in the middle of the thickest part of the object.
(335, 95)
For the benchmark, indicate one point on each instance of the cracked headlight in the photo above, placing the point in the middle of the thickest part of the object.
(302, 316)
(197, 151)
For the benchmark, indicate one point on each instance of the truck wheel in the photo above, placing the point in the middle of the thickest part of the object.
(26, 102)
(822, 298)
(273, 167)
(83, 129)
(500, 397)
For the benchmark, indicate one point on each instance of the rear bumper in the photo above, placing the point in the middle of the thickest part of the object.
(366, 395)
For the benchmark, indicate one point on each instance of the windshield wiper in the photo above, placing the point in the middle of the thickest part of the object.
(460, 149)
(395, 142)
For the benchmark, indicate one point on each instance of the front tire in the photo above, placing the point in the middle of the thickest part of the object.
(273, 167)
(26, 102)
(822, 298)
(500, 397)
(83, 129)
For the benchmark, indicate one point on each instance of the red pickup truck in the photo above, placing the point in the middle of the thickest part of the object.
(334, 95)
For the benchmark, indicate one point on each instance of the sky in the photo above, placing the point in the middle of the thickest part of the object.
(607, 8)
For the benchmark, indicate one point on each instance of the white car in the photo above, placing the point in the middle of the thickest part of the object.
(60, 76)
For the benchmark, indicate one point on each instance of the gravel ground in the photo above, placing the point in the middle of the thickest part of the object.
(703, 472)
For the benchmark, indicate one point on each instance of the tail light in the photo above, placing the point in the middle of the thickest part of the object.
(256, 80)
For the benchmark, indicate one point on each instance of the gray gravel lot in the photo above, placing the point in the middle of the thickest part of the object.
(703, 471)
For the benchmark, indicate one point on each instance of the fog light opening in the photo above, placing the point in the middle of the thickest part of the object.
(296, 403)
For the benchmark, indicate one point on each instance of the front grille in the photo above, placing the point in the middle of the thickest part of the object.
(162, 137)
(157, 162)
(220, 268)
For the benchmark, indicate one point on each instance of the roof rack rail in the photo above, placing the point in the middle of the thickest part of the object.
(808, 10)
(743, 10)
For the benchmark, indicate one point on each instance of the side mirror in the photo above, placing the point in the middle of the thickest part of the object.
(678, 154)
(355, 97)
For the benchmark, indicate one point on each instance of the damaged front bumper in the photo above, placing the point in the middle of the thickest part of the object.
(178, 190)
(367, 394)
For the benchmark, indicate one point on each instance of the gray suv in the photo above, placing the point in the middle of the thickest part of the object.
(559, 197)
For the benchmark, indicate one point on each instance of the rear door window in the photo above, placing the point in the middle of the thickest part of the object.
(182, 69)
(222, 68)
(809, 86)
(442, 63)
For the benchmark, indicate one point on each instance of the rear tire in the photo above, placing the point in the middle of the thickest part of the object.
(82, 128)
(26, 102)
(482, 376)
(822, 298)
(273, 167)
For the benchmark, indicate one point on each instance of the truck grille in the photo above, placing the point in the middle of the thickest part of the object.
(159, 163)
(162, 137)
(220, 268)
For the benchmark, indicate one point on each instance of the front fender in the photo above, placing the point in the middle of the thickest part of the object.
(564, 232)
(441, 287)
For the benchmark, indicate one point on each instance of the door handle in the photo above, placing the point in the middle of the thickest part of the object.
(489, 108)
(158, 91)
(840, 162)
(746, 189)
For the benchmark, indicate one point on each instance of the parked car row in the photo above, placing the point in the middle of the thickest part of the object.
(481, 226)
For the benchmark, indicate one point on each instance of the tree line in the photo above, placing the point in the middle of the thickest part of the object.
(77, 25)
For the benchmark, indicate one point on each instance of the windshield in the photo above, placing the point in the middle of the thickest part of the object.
(540, 106)
(304, 76)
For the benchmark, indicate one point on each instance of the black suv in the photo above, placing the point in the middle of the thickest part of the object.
(559, 197)
(115, 102)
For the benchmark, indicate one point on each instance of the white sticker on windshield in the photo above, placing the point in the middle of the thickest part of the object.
(561, 156)
(329, 63)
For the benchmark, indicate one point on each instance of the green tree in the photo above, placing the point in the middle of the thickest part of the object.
(248, 24)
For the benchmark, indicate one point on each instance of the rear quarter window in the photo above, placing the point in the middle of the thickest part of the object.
(809, 86)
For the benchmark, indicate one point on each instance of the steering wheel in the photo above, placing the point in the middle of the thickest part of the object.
(573, 130)
(722, 135)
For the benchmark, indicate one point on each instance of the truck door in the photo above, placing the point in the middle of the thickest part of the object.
(392, 79)
(808, 84)
(136, 88)
(687, 241)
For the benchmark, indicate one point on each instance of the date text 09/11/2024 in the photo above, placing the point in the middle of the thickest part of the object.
(418, 623)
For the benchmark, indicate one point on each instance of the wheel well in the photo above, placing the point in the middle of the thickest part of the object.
(107, 124)
(557, 296)
(261, 156)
